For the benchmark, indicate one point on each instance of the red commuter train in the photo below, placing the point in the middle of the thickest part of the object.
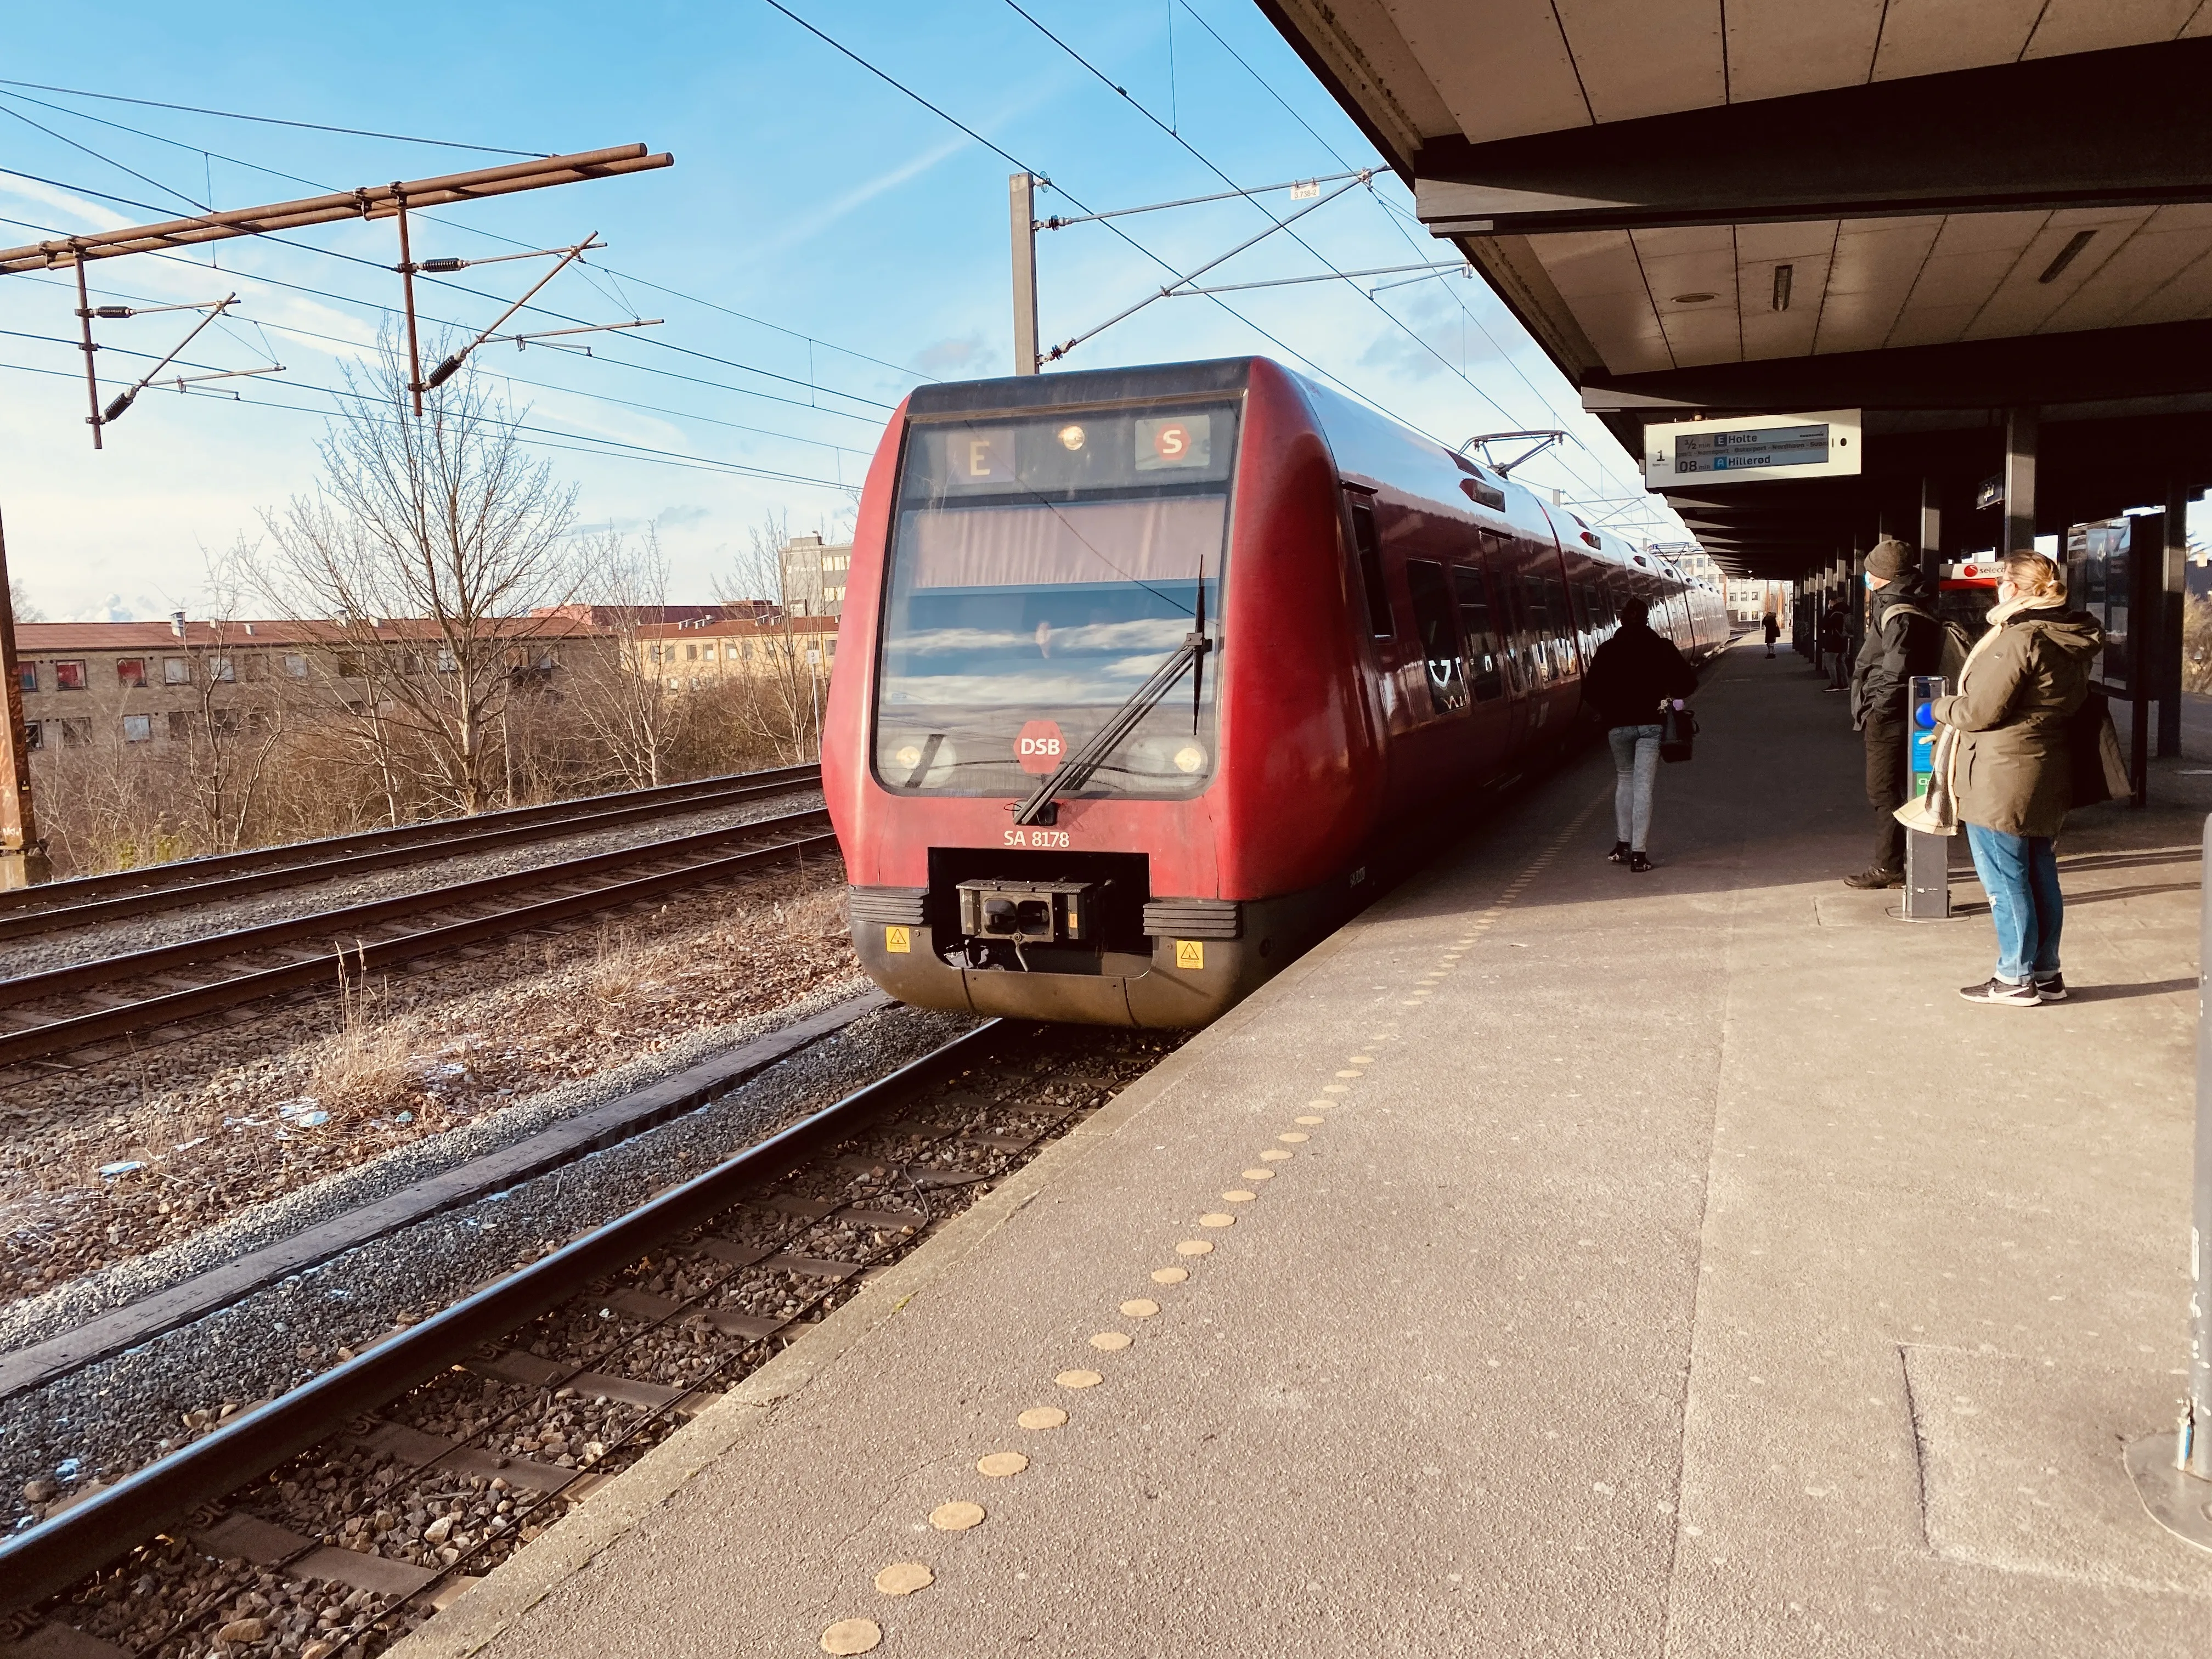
(1144, 671)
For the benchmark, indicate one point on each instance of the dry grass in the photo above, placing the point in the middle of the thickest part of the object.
(369, 1061)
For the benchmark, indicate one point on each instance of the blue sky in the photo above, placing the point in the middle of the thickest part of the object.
(831, 242)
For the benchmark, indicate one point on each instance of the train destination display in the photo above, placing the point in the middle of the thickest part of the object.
(1751, 448)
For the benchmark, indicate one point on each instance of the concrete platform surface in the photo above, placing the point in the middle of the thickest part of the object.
(1662, 1265)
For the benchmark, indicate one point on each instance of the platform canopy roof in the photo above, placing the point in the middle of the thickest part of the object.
(1931, 210)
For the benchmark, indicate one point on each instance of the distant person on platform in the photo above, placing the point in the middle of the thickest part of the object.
(1834, 639)
(2010, 776)
(1903, 639)
(1773, 632)
(1632, 676)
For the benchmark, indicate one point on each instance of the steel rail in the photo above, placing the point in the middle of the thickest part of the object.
(365, 954)
(52, 1556)
(442, 834)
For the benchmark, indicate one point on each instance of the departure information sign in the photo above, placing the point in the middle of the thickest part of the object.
(1751, 448)
(1745, 452)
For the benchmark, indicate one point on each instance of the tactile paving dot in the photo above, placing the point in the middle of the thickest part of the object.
(1042, 1417)
(1237, 1195)
(904, 1578)
(1079, 1379)
(1335, 1088)
(1323, 1105)
(1309, 1119)
(1000, 1465)
(1170, 1275)
(1349, 1073)
(1217, 1218)
(853, 1636)
(1141, 1308)
(1276, 1155)
(1110, 1341)
(1195, 1247)
(1256, 1175)
(1363, 1059)
(1294, 1136)
(959, 1514)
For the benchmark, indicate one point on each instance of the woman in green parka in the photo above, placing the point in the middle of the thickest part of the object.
(2024, 677)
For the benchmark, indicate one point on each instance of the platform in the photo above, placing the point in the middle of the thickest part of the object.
(1664, 1264)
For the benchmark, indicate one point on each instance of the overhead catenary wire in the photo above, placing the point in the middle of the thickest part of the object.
(276, 121)
(1206, 161)
(1275, 340)
(1391, 211)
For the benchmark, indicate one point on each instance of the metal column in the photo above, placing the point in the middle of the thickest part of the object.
(1021, 190)
(2173, 1472)
(1931, 529)
(2020, 433)
(2172, 610)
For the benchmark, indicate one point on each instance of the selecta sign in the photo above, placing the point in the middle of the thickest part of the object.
(1040, 747)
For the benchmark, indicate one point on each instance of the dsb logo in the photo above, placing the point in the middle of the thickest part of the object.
(1040, 746)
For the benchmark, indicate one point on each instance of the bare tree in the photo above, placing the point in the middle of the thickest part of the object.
(20, 602)
(425, 548)
(622, 695)
(785, 673)
(233, 728)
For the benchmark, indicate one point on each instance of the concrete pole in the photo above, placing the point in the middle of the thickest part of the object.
(2021, 425)
(1022, 213)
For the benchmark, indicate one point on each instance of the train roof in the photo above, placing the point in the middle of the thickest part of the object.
(1367, 443)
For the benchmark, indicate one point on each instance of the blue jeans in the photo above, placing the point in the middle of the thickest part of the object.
(2021, 875)
(1636, 768)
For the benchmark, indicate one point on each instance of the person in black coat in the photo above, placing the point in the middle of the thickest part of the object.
(1773, 629)
(1632, 676)
(1903, 638)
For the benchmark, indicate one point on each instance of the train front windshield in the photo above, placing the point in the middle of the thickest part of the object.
(1041, 570)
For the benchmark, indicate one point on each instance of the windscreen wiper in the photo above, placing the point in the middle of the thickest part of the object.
(1071, 773)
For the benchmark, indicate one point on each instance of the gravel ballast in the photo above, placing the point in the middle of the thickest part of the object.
(118, 1415)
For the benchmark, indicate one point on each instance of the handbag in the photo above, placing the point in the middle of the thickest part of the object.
(1678, 729)
(2096, 770)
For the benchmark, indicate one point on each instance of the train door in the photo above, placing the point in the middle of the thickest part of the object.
(1492, 721)
(1387, 686)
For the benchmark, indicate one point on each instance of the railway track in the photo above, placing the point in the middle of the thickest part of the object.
(72, 1011)
(331, 1519)
(117, 895)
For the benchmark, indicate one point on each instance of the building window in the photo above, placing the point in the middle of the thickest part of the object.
(75, 734)
(221, 670)
(34, 734)
(138, 728)
(181, 726)
(691, 653)
(131, 670)
(176, 670)
(710, 653)
(295, 667)
(26, 676)
(69, 676)
(674, 683)
(254, 666)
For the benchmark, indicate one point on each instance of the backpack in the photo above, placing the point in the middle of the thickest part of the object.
(1956, 642)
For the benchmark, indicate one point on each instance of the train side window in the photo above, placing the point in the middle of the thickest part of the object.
(1485, 673)
(1541, 658)
(1368, 547)
(1433, 621)
(1563, 622)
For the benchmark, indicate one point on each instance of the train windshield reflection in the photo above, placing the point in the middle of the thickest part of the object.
(1041, 570)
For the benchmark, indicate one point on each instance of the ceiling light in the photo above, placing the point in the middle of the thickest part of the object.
(1782, 277)
(1692, 299)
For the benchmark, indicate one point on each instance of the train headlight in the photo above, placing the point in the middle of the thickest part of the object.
(1070, 437)
(917, 763)
(1189, 757)
(909, 757)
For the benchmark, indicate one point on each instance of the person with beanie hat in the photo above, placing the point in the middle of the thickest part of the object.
(1903, 638)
